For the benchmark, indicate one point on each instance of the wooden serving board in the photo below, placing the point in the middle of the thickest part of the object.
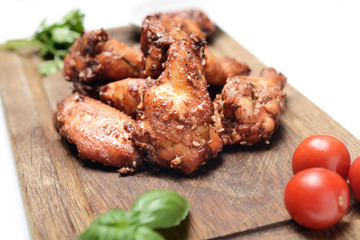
(237, 194)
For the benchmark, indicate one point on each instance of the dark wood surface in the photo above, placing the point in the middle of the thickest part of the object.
(238, 194)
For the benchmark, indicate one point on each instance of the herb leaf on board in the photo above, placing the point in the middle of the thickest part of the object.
(160, 209)
(53, 41)
(154, 209)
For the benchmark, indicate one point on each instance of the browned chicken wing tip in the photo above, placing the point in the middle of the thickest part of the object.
(100, 132)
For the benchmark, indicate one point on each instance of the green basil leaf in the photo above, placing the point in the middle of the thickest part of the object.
(160, 209)
(100, 232)
(113, 225)
(145, 233)
(114, 217)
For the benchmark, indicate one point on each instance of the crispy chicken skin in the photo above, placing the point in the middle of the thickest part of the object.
(97, 58)
(217, 70)
(125, 94)
(159, 31)
(153, 98)
(197, 16)
(101, 133)
(86, 89)
(249, 107)
(173, 125)
(274, 78)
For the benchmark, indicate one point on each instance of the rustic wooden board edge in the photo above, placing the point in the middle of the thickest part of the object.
(345, 229)
(40, 154)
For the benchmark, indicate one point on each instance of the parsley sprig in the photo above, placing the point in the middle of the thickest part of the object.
(156, 209)
(53, 41)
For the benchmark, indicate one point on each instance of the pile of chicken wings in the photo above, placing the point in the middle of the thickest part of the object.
(154, 104)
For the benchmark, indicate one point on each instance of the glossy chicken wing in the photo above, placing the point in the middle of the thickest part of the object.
(199, 17)
(217, 70)
(173, 125)
(273, 78)
(249, 107)
(125, 94)
(101, 133)
(159, 31)
(96, 59)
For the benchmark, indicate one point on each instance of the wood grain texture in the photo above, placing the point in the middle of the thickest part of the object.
(238, 194)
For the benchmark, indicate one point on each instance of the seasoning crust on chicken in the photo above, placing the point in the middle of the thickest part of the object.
(125, 94)
(199, 17)
(173, 125)
(273, 78)
(100, 132)
(217, 70)
(159, 31)
(162, 83)
(97, 58)
(249, 107)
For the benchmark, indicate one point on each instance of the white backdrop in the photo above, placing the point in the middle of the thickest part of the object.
(316, 44)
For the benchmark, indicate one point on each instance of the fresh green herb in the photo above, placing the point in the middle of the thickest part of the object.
(50, 67)
(53, 41)
(160, 209)
(155, 209)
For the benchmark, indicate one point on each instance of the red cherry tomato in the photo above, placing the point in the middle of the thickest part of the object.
(317, 198)
(354, 178)
(322, 151)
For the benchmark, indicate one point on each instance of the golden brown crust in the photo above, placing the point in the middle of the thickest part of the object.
(97, 58)
(100, 132)
(124, 95)
(249, 108)
(219, 69)
(159, 31)
(272, 77)
(198, 16)
(173, 124)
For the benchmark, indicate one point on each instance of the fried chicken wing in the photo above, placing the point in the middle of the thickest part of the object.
(199, 17)
(217, 70)
(159, 31)
(101, 133)
(249, 107)
(125, 94)
(90, 90)
(173, 125)
(97, 58)
(273, 78)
